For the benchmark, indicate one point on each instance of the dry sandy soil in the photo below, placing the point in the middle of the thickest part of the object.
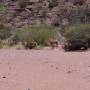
(44, 70)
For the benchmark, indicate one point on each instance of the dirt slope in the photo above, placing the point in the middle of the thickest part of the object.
(39, 11)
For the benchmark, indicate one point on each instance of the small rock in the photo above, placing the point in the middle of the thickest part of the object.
(29, 89)
(57, 68)
(4, 77)
(52, 66)
(69, 72)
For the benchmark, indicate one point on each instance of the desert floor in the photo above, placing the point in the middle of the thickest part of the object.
(44, 70)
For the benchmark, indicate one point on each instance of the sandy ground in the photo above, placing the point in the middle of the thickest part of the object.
(44, 70)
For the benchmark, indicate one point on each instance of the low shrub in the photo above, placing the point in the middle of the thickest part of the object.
(1, 44)
(78, 35)
(52, 3)
(23, 3)
(77, 31)
(2, 8)
(5, 32)
(39, 34)
(30, 44)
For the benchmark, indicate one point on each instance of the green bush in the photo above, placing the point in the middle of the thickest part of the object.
(1, 44)
(23, 3)
(78, 33)
(39, 34)
(5, 32)
(52, 3)
(2, 8)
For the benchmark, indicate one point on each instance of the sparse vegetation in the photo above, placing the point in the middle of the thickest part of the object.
(23, 3)
(1, 44)
(38, 34)
(5, 32)
(81, 30)
(72, 18)
(53, 3)
(2, 8)
(77, 36)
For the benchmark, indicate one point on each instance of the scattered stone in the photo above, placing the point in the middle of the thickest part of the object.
(52, 66)
(4, 77)
(69, 72)
(29, 89)
(57, 68)
(37, 12)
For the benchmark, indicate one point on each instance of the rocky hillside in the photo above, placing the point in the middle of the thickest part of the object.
(19, 13)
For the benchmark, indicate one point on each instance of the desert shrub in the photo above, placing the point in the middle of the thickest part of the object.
(81, 30)
(52, 3)
(23, 3)
(38, 34)
(2, 8)
(1, 44)
(5, 32)
(30, 44)
(78, 33)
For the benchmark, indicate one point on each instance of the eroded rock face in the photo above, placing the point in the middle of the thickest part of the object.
(37, 11)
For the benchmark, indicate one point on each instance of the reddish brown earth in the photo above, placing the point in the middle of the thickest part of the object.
(44, 70)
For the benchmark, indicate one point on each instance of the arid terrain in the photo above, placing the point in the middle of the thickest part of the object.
(35, 24)
(44, 70)
(19, 13)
